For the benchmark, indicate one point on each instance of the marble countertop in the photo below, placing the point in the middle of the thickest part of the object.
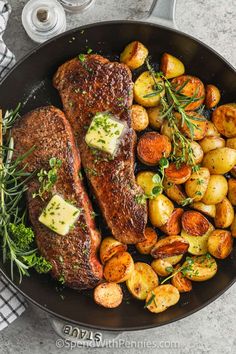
(211, 330)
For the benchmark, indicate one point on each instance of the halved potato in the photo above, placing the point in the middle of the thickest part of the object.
(224, 214)
(155, 116)
(148, 91)
(119, 268)
(211, 129)
(134, 55)
(199, 125)
(199, 268)
(139, 117)
(171, 66)
(220, 243)
(174, 192)
(164, 267)
(145, 246)
(232, 191)
(197, 184)
(160, 210)
(142, 280)
(216, 190)
(233, 227)
(231, 143)
(181, 283)
(194, 223)
(224, 118)
(145, 180)
(167, 130)
(220, 161)
(211, 143)
(208, 209)
(198, 245)
(212, 96)
(173, 225)
(197, 152)
(177, 175)
(109, 247)
(162, 297)
(108, 295)
(169, 246)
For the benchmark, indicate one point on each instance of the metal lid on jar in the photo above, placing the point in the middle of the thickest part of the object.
(43, 19)
(76, 6)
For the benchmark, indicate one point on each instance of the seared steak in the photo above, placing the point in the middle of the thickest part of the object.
(73, 256)
(87, 85)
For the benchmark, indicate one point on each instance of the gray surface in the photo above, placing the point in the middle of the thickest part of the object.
(211, 330)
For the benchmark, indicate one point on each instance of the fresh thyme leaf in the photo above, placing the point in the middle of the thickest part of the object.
(81, 57)
(152, 298)
(140, 198)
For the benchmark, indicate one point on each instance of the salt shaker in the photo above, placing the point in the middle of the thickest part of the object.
(76, 6)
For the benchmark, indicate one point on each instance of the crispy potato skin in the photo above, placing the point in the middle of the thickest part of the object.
(152, 147)
(144, 180)
(171, 66)
(173, 225)
(193, 87)
(197, 184)
(199, 131)
(134, 55)
(211, 129)
(220, 161)
(181, 283)
(194, 223)
(211, 143)
(209, 210)
(142, 280)
(198, 245)
(177, 175)
(232, 191)
(163, 296)
(144, 87)
(109, 247)
(169, 246)
(224, 214)
(197, 152)
(231, 143)
(139, 118)
(216, 190)
(220, 243)
(224, 118)
(174, 192)
(145, 247)
(119, 268)
(155, 117)
(160, 210)
(162, 267)
(212, 96)
(203, 268)
(108, 295)
(233, 227)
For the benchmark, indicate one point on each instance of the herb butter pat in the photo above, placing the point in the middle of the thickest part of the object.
(104, 132)
(59, 215)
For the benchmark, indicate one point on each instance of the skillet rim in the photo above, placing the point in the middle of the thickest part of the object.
(34, 51)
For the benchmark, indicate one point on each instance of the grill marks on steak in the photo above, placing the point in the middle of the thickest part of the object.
(72, 256)
(98, 85)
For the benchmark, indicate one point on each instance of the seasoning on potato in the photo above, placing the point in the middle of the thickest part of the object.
(211, 143)
(145, 246)
(170, 246)
(171, 66)
(162, 297)
(197, 184)
(212, 96)
(194, 223)
(160, 210)
(173, 225)
(198, 245)
(139, 117)
(134, 55)
(109, 247)
(119, 268)
(220, 161)
(224, 118)
(108, 295)
(199, 268)
(155, 116)
(147, 91)
(181, 283)
(178, 174)
(164, 267)
(152, 147)
(224, 214)
(220, 243)
(216, 191)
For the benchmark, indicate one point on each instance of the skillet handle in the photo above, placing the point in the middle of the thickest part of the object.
(163, 13)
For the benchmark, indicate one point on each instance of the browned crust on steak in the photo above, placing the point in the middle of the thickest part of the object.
(73, 256)
(98, 85)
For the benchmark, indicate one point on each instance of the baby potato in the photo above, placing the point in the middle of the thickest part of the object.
(160, 210)
(139, 118)
(198, 245)
(199, 128)
(233, 227)
(220, 161)
(216, 190)
(174, 192)
(209, 210)
(162, 297)
(199, 268)
(212, 96)
(145, 246)
(155, 117)
(211, 143)
(169, 246)
(148, 92)
(145, 180)
(173, 225)
(197, 184)
(211, 129)
(177, 175)
(164, 267)
(224, 118)
(152, 146)
(231, 143)
(224, 214)
(142, 280)
(134, 55)
(193, 88)
(232, 191)
(167, 130)
(171, 66)
(109, 247)
(181, 283)
(194, 223)
(108, 295)
(197, 152)
(119, 268)
(220, 243)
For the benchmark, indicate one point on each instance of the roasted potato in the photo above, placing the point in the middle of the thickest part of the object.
(197, 152)
(198, 245)
(233, 227)
(148, 92)
(152, 147)
(160, 210)
(142, 280)
(199, 268)
(173, 225)
(167, 130)
(193, 87)
(145, 247)
(139, 118)
(194, 223)
(224, 118)
(109, 247)
(108, 295)
(231, 143)
(162, 297)
(177, 175)
(181, 283)
(216, 190)
(220, 243)
(169, 246)
(211, 129)
(145, 180)
(119, 268)
(209, 210)
(197, 184)
(171, 66)
(232, 191)
(164, 267)
(199, 126)
(220, 161)
(155, 116)
(212, 96)
(211, 143)
(224, 214)
(134, 55)
(174, 192)
(233, 171)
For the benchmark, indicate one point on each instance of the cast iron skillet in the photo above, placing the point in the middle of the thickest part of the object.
(30, 82)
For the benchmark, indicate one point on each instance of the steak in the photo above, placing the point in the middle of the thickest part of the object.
(87, 85)
(73, 257)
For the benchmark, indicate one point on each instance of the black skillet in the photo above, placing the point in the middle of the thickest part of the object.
(30, 82)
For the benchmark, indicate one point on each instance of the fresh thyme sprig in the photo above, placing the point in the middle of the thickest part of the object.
(187, 266)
